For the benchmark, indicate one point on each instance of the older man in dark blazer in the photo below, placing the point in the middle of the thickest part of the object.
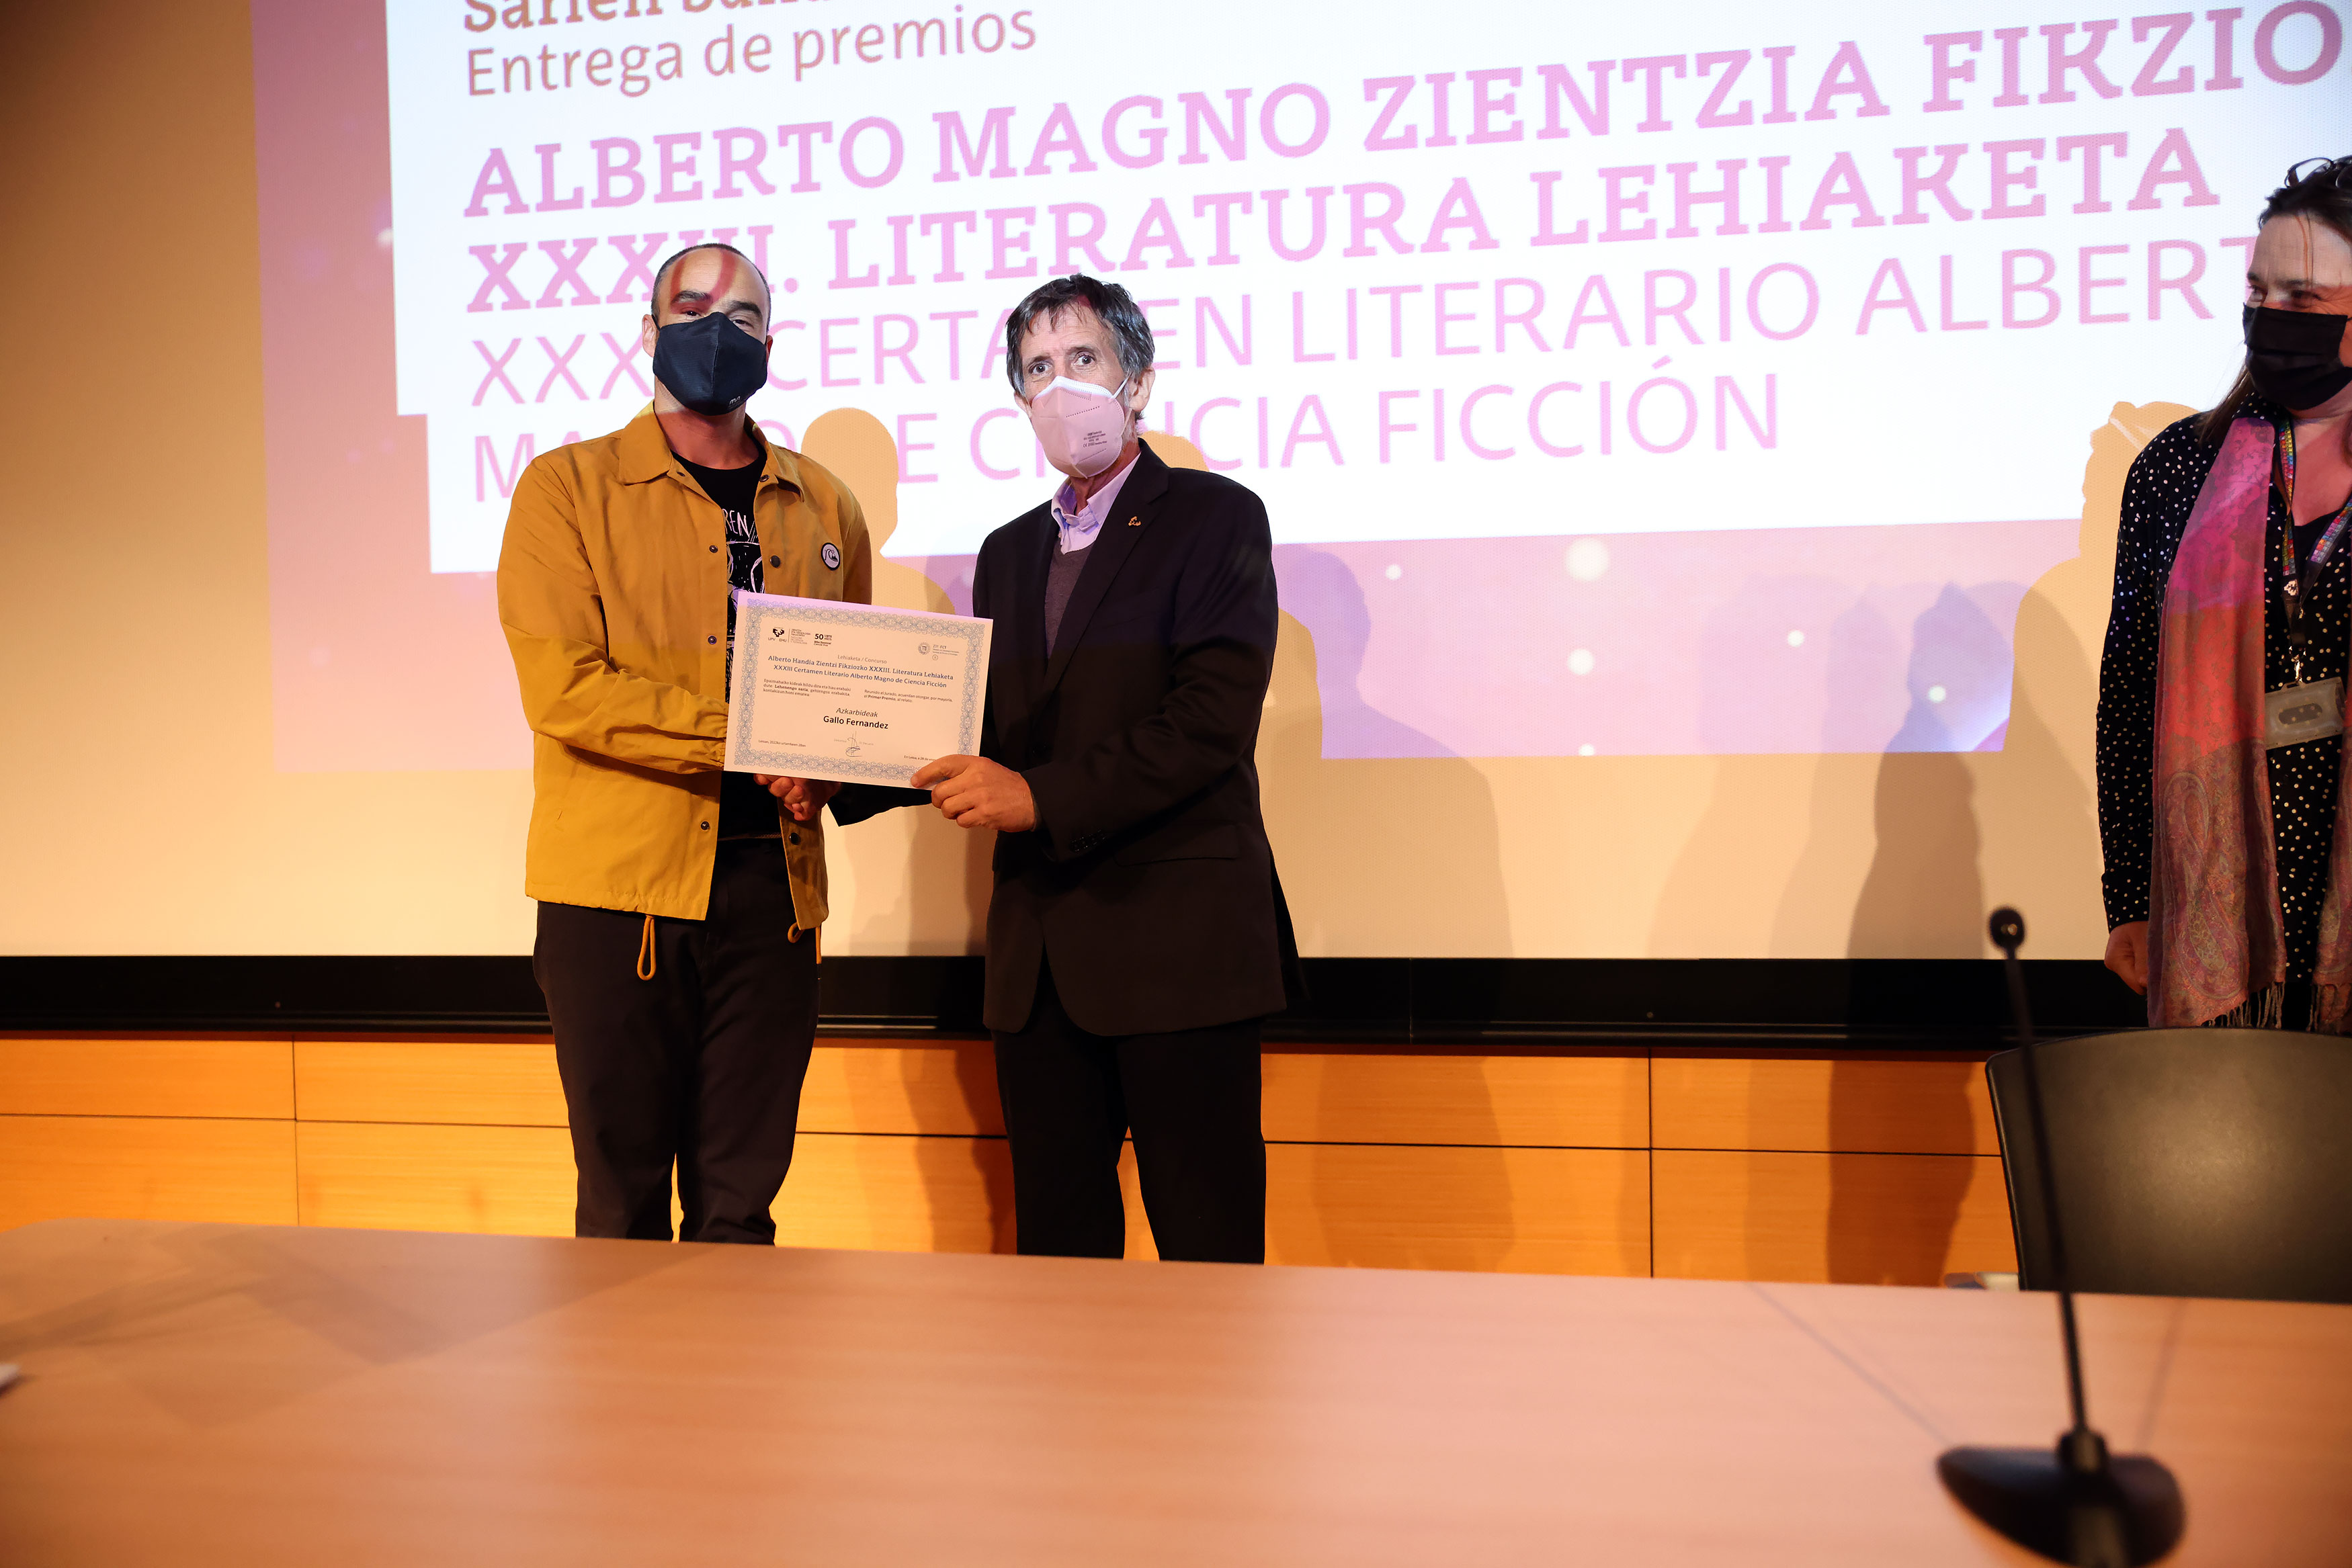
(1136, 937)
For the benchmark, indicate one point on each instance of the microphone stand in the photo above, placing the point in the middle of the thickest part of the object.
(2075, 1503)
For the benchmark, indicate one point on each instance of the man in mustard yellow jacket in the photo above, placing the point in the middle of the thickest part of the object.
(678, 905)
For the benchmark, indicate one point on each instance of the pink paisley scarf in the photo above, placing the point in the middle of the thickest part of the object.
(2217, 943)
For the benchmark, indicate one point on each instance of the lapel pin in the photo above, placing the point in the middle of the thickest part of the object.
(1135, 522)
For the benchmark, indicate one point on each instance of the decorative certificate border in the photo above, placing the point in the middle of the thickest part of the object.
(756, 612)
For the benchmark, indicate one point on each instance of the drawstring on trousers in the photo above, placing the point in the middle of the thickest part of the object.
(648, 963)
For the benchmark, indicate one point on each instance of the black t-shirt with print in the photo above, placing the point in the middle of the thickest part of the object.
(745, 811)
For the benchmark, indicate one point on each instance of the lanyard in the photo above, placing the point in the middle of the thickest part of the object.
(2299, 577)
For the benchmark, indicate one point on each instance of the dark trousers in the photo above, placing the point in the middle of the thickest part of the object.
(699, 1068)
(1190, 1099)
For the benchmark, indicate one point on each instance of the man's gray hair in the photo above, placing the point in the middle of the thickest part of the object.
(1117, 308)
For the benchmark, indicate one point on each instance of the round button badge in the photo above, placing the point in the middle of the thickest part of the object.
(832, 557)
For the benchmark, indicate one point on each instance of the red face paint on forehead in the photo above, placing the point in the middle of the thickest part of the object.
(732, 282)
(728, 264)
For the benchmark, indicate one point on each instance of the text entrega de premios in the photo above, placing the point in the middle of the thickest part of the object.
(856, 693)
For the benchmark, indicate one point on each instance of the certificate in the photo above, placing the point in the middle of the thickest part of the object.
(856, 693)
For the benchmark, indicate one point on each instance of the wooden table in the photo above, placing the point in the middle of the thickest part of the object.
(214, 1394)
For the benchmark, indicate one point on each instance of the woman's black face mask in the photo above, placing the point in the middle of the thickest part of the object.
(2295, 357)
(709, 364)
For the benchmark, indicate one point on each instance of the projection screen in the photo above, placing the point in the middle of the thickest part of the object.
(1691, 436)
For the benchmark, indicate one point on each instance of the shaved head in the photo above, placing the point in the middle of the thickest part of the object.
(712, 277)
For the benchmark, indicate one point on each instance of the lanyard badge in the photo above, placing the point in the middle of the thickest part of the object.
(2302, 710)
(2307, 710)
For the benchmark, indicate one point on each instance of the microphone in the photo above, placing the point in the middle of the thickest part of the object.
(2074, 1503)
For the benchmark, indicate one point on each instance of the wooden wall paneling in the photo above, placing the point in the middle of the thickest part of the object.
(902, 1086)
(1539, 1211)
(898, 1194)
(1429, 1183)
(1847, 1105)
(146, 1167)
(512, 1181)
(862, 1087)
(901, 1194)
(1553, 1099)
(188, 1077)
(507, 1082)
(1515, 1210)
(1866, 1220)
(1852, 1168)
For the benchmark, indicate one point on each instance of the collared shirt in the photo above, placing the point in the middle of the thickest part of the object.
(1080, 525)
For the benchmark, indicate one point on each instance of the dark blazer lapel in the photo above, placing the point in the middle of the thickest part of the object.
(1019, 646)
(1130, 515)
(1024, 624)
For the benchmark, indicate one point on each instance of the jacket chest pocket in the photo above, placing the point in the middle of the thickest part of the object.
(802, 561)
(674, 600)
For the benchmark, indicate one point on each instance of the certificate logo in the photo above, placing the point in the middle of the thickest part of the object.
(922, 647)
(787, 635)
(832, 557)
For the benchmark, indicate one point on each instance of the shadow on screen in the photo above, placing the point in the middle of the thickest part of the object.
(1892, 751)
(1953, 831)
(1896, 1222)
(1375, 823)
(1894, 1205)
(1397, 826)
(1401, 835)
(1923, 893)
(1890, 1213)
(1319, 591)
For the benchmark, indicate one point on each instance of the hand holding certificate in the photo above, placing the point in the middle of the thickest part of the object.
(853, 693)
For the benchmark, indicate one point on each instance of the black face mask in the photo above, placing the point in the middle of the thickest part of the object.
(709, 364)
(2295, 357)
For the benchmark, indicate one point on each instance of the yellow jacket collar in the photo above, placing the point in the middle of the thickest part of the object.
(645, 455)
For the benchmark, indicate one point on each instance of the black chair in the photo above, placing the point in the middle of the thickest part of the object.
(2189, 1161)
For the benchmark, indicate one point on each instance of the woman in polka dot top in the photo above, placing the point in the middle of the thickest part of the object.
(2298, 381)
